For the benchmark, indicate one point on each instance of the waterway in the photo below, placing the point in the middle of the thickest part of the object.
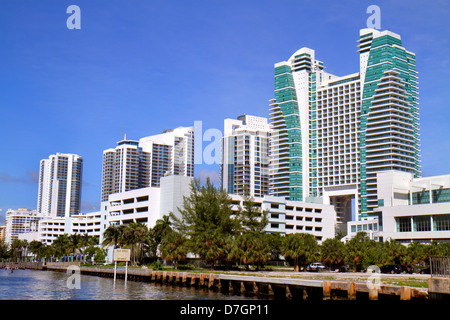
(24, 284)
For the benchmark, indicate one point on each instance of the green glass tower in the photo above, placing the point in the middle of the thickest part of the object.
(331, 134)
(389, 121)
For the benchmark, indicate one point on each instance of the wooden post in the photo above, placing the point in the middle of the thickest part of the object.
(405, 293)
(327, 289)
(115, 271)
(352, 291)
(373, 294)
(126, 272)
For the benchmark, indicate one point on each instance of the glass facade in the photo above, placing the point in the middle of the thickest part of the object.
(286, 176)
(423, 223)
(389, 131)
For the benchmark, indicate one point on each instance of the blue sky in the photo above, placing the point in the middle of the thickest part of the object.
(143, 66)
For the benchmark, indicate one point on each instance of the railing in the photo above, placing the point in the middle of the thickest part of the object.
(440, 266)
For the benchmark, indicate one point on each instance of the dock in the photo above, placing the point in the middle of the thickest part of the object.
(290, 288)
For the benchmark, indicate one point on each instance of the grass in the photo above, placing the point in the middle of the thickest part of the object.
(412, 282)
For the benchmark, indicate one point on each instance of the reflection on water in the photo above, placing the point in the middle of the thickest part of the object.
(50, 285)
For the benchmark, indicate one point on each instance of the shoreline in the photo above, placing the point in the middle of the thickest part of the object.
(272, 284)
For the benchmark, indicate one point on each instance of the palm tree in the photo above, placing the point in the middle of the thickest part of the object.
(332, 252)
(61, 245)
(162, 227)
(113, 235)
(74, 242)
(357, 249)
(173, 247)
(84, 242)
(393, 252)
(17, 249)
(156, 234)
(36, 248)
(135, 235)
(300, 247)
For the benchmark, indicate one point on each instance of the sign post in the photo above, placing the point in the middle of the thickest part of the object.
(121, 255)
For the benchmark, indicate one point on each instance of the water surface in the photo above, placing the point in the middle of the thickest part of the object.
(51, 285)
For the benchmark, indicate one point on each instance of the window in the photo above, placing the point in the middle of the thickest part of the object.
(404, 224)
(441, 222)
(422, 223)
(441, 195)
(421, 197)
(353, 228)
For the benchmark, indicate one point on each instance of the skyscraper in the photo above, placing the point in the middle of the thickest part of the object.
(245, 156)
(124, 168)
(139, 164)
(172, 153)
(60, 178)
(389, 122)
(331, 134)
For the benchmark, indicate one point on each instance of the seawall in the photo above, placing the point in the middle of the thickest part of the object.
(263, 287)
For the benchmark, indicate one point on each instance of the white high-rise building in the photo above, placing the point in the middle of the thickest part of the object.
(140, 164)
(245, 156)
(60, 178)
(172, 153)
(124, 168)
(20, 221)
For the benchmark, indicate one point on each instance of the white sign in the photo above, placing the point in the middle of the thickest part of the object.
(122, 254)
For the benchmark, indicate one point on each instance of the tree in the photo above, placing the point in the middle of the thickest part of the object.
(174, 247)
(332, 253)
(74, 242)
(415, 254)
(36, 247)
(302, 248)
(113, 235)
(135, 235)
(19, 249)
(4, 253)
(356, 250)
(251, 218)
(250, 246)
(444, 249)
(206, 221)
(61, 245)
(156, 234)
(97, 253)
(274, 241)
(87, 241)
(391, 252)
(250, 249)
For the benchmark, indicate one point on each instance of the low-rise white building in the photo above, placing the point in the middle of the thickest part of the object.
(414, 209)
(286, 216)
(49, 228)
(147, 205)
(368, 225)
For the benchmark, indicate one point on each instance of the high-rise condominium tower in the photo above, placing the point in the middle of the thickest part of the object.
(331, 134)
(245, 156)
(139, 164)
(124, 168)
(60, 178)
